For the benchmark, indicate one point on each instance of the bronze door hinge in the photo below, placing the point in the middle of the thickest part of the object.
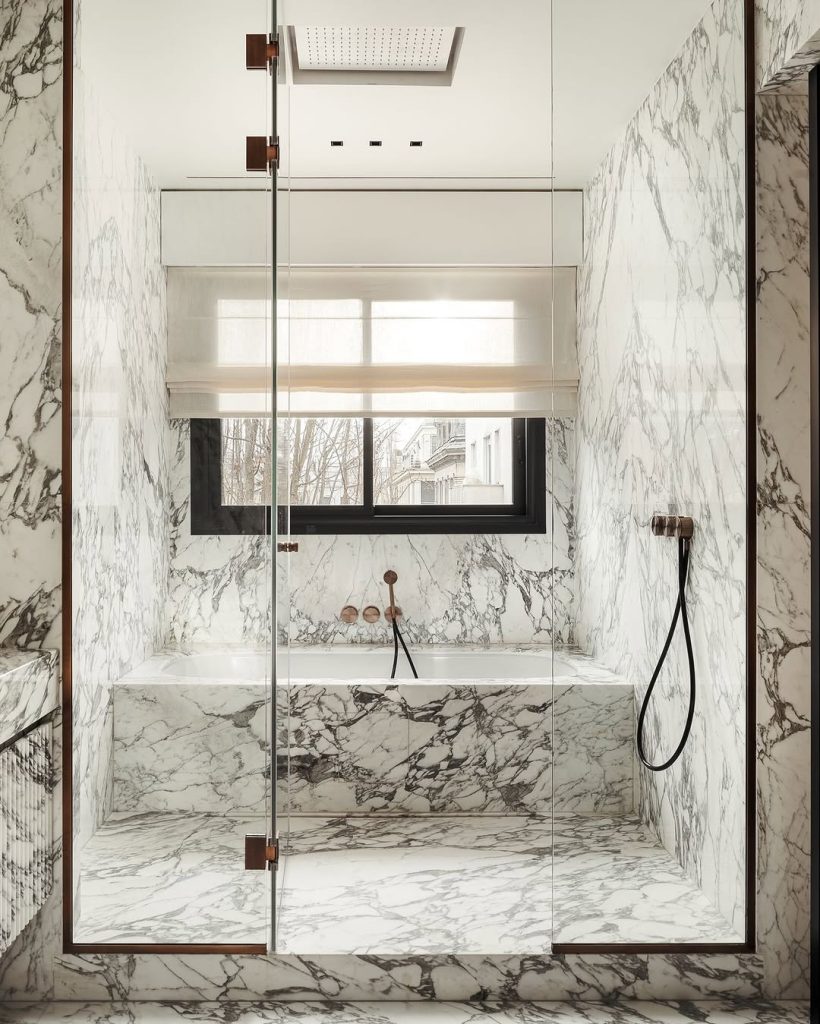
(261, 153)
(261, 52)
(289, 545)
(261, 852)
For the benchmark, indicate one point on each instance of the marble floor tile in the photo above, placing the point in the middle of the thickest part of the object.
(391, 885)
(171, 877)
(629, 1012)
(417, 885)
(613, 882)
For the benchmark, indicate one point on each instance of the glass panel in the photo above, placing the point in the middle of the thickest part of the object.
(420, 756)
(655, 159)
(281, 540)
(171, 629)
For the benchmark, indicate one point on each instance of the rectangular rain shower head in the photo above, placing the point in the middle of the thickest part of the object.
(373, 47)
(373, 54)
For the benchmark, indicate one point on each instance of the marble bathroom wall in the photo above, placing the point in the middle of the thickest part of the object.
(35, 967)
(484, 588)
(661, 428)
(783, 542)
(120, 529)
(30, 296)
(787, 42)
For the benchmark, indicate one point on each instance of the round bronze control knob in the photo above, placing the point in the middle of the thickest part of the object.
(349, 613)
(388, 613)
(371, 613)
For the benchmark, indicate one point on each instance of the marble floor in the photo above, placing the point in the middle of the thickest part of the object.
(391, 885)
(406, 1013)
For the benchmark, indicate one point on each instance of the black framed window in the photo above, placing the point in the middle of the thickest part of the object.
(361, 476)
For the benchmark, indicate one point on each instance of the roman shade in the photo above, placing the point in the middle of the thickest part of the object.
(374, 342)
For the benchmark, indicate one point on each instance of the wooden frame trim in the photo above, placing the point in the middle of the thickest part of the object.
(814, 392)
(66, 494)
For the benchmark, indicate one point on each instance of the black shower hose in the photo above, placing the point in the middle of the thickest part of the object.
(680, 611)
(396, 638)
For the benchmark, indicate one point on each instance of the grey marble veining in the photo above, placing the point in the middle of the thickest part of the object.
(787, 43)
(120, 436)
(30, 298)
(783, 539)
(433, 745)
(29, 689)
(225, 978)
(661, 428)
(510, 1012)
(391, 885)
(453, 589)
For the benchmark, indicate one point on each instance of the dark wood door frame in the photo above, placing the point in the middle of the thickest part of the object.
(814, 349)
(69, 945)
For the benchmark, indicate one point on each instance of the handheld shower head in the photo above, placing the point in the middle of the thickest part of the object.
(391, 611)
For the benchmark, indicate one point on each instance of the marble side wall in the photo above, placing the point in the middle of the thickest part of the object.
(661, 428)
(120, 438)
(783, 539)
(787, 42)
(30, 296)
(486, 588)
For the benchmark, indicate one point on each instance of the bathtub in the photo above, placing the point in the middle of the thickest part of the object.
(360, 664)
(504, 729)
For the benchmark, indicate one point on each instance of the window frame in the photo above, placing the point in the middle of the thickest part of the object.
(526, 514)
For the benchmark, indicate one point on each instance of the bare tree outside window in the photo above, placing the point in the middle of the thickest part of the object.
(320, 461)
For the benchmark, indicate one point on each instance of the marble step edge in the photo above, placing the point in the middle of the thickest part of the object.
(244, 977)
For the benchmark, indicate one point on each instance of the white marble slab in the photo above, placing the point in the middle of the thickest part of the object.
(661, 427)
(392, 886)
(510, 1012)
(429, 745)
(29, 689)
(120, 435)
(454, 589)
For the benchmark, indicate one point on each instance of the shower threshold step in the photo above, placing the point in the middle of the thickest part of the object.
(392, 886)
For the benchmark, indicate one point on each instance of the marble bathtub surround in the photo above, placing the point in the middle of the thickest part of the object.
(441, 746)
(661, 426)
(454, 589)
(29, 689)
(392, 886)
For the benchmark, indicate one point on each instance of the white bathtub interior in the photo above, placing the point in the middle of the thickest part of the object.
(370, 663)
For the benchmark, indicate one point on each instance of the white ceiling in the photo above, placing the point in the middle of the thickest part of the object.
(172, 72)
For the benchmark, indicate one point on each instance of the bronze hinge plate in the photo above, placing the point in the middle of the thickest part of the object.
(261, 52)
(261, 153)
(290, 545)
(261, 852)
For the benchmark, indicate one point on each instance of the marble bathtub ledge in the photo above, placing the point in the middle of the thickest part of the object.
(29, 689)
(580, 668)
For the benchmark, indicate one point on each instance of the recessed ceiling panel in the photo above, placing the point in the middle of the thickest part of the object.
(373, 47)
